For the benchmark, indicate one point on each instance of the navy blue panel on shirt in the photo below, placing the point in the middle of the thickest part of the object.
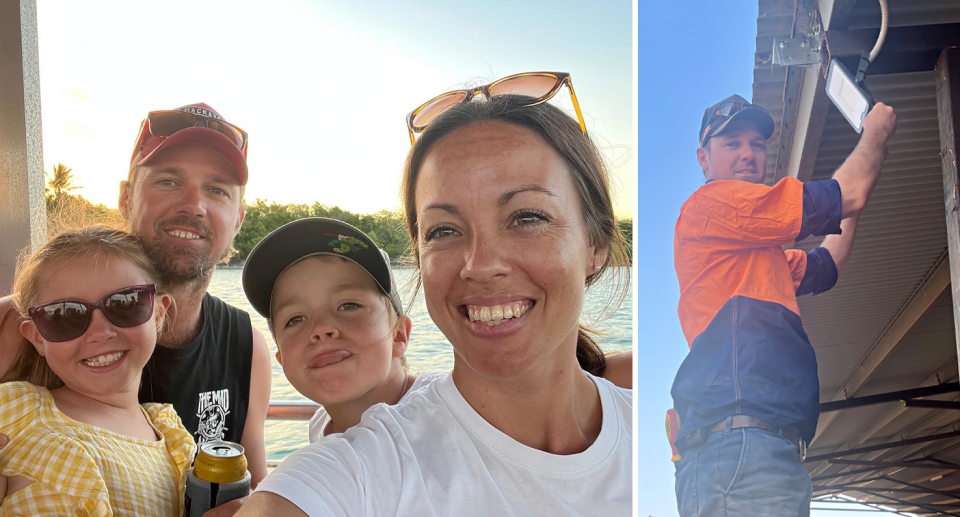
(753, 359)
(822, 207)
(821, 273)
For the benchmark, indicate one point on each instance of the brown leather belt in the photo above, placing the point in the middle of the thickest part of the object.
(699, 437)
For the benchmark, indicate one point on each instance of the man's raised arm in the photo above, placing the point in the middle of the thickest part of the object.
(841, 245)
(860, 171)
(857, 178)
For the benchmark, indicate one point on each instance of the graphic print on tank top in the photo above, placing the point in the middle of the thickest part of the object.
(212, 410)
(208, 379)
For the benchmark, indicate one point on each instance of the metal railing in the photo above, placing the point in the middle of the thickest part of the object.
(291, 410)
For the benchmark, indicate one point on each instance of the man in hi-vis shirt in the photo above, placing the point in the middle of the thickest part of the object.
(747, 395)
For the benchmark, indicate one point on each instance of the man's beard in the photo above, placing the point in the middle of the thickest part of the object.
(181, 265)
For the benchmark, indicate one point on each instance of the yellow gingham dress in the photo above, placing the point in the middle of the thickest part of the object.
(82, 470)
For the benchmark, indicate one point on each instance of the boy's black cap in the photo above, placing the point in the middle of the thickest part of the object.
(307, 237)
(713, 124)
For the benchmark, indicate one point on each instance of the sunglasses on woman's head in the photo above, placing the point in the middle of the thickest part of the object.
(539, 86)
(63, 320)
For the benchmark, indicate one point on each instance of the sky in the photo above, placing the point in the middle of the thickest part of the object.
(322, 87)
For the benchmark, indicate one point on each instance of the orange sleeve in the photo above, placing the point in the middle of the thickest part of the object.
(733, 215)
(797, 262)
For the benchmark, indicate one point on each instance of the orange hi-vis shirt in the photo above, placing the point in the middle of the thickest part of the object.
(740, 254)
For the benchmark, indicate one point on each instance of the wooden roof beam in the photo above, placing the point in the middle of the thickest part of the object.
(947, 75)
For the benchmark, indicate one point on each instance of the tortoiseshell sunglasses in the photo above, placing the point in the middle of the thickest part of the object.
(541, 86)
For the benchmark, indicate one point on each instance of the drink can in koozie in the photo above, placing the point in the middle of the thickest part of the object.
(219, 474)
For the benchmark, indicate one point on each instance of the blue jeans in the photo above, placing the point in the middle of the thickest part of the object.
(742, 472)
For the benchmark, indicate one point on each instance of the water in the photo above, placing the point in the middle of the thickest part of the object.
(428, 350)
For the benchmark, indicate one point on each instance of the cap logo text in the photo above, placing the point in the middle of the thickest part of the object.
(196, 110)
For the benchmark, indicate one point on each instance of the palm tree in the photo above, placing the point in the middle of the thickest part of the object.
(60, 182)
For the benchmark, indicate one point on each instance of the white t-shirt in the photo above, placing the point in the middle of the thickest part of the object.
(433, 455)
(320, 419)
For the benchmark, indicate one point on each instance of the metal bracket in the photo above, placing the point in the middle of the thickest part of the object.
(800, 51)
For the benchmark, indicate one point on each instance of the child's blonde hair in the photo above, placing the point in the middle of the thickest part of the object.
(29, 365)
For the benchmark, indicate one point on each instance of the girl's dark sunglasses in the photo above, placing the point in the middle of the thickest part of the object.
(63, 320)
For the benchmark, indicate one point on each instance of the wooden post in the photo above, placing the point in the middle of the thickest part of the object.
(948, 112)
(23, 216)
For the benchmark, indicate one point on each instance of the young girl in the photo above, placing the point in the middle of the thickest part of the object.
(79, 441)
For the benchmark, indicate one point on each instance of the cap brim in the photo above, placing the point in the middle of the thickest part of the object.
(304, 238)
(760, 116)
(207, 138)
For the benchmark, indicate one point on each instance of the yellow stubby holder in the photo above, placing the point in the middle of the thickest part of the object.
(673, 427)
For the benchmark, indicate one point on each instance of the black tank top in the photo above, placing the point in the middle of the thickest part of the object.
(208, 380)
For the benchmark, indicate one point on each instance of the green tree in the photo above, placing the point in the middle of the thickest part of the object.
(60, 182)
(385, 228)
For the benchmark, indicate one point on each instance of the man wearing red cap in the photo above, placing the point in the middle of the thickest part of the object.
(747, 395)
(184, 198)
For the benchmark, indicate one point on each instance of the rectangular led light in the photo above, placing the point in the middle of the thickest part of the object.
(852, 99)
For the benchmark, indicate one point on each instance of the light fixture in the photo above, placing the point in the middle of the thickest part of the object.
(848, 92)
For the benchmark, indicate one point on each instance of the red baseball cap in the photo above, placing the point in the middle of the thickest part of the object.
(149, 144)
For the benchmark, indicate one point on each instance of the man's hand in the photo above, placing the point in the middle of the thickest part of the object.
(227, 509)
(880, 124)
(3, 441)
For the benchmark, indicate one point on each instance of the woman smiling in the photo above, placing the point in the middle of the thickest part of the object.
(508, 206)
